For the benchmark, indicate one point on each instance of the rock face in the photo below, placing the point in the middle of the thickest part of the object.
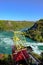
(36, 31)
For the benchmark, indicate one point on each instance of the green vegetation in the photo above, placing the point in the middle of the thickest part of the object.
(14, 25)
(36, 31)
(36, 55)
(7, 60)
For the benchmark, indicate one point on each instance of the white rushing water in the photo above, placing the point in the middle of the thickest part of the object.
(35, 47)
(7, 42)
(6, 45)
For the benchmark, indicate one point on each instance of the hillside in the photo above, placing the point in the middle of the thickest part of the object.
(14, 25)
(36, 31)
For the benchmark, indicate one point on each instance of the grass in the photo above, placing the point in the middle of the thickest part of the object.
(14, 25)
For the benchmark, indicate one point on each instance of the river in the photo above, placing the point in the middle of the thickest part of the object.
(6, 42)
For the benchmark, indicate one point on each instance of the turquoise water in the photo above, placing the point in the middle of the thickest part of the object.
(6, 42)
(5, 50)
(40, 47)
(29, 40)
(6, 34)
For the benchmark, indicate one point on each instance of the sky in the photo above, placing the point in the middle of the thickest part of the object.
(21, 10)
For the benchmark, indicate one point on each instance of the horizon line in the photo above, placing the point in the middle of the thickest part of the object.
(18, 20)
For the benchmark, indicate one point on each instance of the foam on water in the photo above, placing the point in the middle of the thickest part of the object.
(35, 47)
(6, 42)
(5, 45)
